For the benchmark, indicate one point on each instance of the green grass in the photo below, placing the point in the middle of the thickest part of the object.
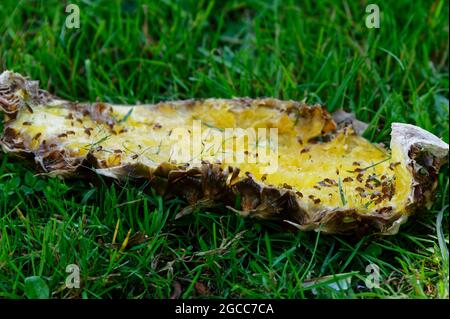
(320, 51)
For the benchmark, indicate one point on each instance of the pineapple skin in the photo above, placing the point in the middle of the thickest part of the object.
(420, 153)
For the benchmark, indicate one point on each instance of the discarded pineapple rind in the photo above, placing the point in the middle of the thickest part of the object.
(424, 154)
(208, 184)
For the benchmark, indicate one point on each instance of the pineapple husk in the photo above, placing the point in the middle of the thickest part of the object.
(417, 153)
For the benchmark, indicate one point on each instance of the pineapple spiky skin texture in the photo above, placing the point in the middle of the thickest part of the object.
(327, 176)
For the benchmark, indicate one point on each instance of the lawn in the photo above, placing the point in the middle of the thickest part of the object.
(136, 51)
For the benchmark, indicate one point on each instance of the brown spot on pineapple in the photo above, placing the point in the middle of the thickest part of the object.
(88, 130)
(305, 150)
(359, 177)
(393, 165)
